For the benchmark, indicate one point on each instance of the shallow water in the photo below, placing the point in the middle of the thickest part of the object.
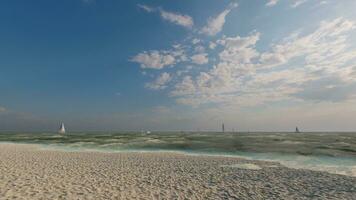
(331, 152)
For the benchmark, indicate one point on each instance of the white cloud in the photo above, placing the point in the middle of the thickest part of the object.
(212, 45)
(239, 50)
(294, 3)
(215, 24)
(297, 3)
(323, 2)
(146, 8)
(154, 59)
(245, 77)
(327, 44)
(224, 80)
(173, 17)
(200, 59)
(160, 59)
(196, 41)
(272, 2)
(199, 49)
(160, 82)
(176, 18)
(332, 89)
(185, 87)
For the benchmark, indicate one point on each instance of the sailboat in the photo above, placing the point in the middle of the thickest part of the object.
(297, 130)
(62, 130)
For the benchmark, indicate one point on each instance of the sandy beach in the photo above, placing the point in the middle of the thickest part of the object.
(28, 172)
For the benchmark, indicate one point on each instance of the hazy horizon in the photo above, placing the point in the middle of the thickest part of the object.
(55, 131)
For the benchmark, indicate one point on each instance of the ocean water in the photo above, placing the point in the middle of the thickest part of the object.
(330, 152)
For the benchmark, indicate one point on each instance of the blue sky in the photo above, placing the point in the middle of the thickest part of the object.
(178, 65)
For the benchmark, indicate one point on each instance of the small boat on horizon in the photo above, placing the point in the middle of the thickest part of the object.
(62, 130)
(297, 130)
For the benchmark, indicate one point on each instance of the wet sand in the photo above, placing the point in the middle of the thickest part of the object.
(28, 172)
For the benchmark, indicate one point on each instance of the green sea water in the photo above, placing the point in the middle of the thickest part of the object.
(331, 152)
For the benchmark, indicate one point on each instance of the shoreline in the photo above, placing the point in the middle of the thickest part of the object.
(30, 172)
(346, 170)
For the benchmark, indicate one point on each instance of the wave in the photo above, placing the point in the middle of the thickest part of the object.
(342, 166)
(330, 152)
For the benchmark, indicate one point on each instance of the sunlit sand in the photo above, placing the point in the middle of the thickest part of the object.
(28, 172)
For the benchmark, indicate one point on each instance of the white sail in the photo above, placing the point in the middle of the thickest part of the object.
(62, 130)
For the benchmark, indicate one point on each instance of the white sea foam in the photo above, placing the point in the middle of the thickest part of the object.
(307, 163)
(335, 165)
(291, 142)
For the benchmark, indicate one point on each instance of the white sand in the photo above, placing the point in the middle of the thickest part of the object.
(245, 166)
(27, 172)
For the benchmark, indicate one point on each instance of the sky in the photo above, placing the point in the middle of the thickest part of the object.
(115, 65)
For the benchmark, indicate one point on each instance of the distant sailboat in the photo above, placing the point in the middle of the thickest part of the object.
(62, 130)
(297, 130)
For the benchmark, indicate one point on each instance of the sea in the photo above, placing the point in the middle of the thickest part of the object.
(320, 151)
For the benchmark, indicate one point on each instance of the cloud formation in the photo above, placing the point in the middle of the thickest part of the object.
(154, 59)
(235, 72)
(179, 19)
(239, 50)
(327, 44)
(160, 82)
(200, 59)
(332, 89)
(146, 8)
(294, 3)
(297, 3)
(173, 17)
(291, 70)
(272, 2)
(215, 24)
